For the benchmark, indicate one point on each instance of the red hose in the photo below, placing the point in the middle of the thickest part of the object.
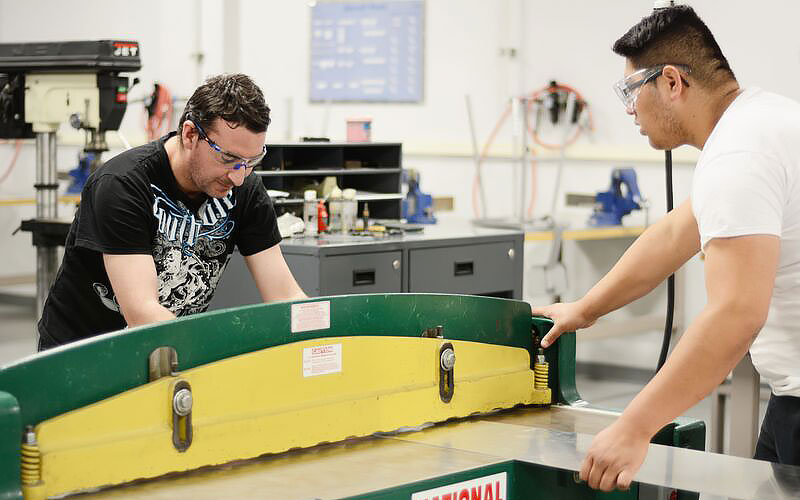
(17, 148)
(532, 97)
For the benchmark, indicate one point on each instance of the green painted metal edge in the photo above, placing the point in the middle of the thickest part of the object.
(538, 482)
(10, 440)
(665, 435)
(524, 481)
(689, 433)
(72, 376)
(404, 492)
(683, 432)
(561, 358)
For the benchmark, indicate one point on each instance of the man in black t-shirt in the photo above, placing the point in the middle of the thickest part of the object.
(157, 224)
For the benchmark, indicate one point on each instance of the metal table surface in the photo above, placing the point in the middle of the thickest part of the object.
(670, 467)
(449, 231)
(557, 437)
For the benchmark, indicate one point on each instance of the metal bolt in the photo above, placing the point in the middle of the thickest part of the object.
(75, 120)
(511, 253)
(182, 402)
(448, 359)
(30, 435)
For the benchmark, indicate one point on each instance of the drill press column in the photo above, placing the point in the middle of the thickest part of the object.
(46, 208)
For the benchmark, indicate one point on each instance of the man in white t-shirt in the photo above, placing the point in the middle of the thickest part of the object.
(743, 214)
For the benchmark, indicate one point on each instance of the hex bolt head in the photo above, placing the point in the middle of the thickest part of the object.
(448, 359)
(182, 402)
(75, 120)
(30, 435)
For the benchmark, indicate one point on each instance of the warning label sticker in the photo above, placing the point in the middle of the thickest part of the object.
(322, 360)
(484, 488)
(309, 316)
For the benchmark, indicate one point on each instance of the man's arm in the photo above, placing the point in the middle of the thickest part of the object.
(740, 276)
(658, 252)
(135, 284)
(273, 277)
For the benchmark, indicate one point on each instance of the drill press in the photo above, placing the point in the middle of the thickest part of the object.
(43, 85)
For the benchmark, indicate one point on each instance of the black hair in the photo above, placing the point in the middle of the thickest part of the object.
(233, 97)
(676, 35)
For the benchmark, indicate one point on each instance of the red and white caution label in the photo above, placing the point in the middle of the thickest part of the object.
(322, 360)
(309, 316)
(483, 488)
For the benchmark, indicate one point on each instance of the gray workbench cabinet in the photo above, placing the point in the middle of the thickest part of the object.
(445, 258)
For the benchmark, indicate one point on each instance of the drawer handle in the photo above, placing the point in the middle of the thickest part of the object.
(463, 268)
(364, 277)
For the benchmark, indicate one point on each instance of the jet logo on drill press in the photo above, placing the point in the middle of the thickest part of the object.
(126, 49)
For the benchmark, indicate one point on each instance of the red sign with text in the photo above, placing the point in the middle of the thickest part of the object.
(483, 488)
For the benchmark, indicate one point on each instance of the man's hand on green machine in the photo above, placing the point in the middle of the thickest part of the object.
(567, 317)
(614, 457)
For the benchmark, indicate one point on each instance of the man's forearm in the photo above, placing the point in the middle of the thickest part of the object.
(706, 353)
(658, 252)
(147, 313)
(297, 294)
(740, 275)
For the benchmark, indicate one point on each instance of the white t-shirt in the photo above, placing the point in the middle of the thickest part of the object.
(747, 181)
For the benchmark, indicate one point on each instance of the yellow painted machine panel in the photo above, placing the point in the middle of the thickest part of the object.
(290, 396)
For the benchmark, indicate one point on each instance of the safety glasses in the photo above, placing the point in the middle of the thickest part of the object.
(228, 160)
(629, 88)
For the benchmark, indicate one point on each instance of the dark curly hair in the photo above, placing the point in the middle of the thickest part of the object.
(676, 35)
(235, 98)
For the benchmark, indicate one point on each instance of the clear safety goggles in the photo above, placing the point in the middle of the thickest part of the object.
(228, 160)
(628, 88)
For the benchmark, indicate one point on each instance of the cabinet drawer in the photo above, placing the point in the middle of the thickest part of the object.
(471, 269)
(361, 273)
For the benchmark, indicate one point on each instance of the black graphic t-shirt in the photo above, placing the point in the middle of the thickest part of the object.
(132, 205)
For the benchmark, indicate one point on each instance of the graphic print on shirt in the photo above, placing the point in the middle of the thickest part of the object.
(108, 300)
(190, 252)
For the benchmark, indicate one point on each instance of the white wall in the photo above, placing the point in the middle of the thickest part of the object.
(568, 40)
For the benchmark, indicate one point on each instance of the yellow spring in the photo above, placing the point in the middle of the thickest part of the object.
(31, 464)
(540, 375)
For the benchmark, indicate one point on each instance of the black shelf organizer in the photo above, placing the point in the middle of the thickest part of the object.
(374, 170)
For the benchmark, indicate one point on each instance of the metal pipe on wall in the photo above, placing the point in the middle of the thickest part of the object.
(198, 43)
(232, 36)
(524, 161)
(517, 140)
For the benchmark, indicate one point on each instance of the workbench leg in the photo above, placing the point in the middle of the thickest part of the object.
(719, 398)
(741, 397)
(745, 388)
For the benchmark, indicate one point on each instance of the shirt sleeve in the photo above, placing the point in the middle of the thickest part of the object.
(259, 224)
(115, 217)
(738, 194)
